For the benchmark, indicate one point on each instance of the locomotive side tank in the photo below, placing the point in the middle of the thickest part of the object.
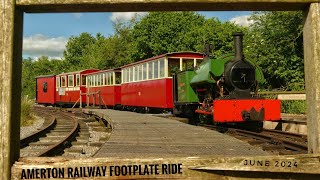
(225, 89)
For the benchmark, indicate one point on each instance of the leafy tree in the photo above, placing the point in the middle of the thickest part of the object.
(275, 43)
(76, 49)
(162, 32)
(42, 66)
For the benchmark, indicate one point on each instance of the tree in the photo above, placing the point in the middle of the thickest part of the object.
(162, 32)
(275, 42)
(76, 48)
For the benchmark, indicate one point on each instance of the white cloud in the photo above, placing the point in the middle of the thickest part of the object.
(39, 45)
(242, 20)
(125, 16)
(77, 15)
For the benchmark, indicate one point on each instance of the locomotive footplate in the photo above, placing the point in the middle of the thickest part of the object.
(246, 110)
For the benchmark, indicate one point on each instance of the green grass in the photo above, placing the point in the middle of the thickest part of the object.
(27, 116)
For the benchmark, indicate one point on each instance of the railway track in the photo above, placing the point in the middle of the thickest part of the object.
(65, 133)
(278, 142)
(53, 138)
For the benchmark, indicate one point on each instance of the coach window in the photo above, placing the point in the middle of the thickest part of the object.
(136, 75)
(88, 83)
(103, 82)
(156, 70)
(173, 66)
(126, 75)
(77, 79)
(111, 78)
(198, 62)
(57, 82)
(188, 64)
(118, 77)
(63, 81)
(130, 74)
(97, 79)
(83, 77)
(141, 72)
(161, 67)
(144, 71)
(70, 81)
(150, 70)
(101, 79)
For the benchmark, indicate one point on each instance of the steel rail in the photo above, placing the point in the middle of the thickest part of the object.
(288, 144)
(35, 136)
(58, 147)
(268, 138)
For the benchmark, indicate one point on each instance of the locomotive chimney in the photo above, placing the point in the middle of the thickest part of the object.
(238, 46)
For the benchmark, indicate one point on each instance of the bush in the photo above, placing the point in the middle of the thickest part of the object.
(27, 117)
(294, 107)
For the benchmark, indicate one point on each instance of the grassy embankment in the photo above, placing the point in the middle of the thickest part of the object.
(27, 116)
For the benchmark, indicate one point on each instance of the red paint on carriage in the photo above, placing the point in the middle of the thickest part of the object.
(150, 93)
(110, 95)
(231, 110)
(45, 93)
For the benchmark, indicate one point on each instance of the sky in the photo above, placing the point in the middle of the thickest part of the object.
(46, 34)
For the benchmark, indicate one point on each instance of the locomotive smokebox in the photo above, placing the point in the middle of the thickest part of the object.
(238, 45)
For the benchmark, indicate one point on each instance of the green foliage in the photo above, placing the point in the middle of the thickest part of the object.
(76, 49)
(294, 107)
(162, 32)
(27, 117)
(274, 41)
(33, 68)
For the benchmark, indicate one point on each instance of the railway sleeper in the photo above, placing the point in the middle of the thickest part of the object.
(269, 147)
(39, 143)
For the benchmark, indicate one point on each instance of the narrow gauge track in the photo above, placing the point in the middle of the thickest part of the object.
(271, 140)
(53, 138)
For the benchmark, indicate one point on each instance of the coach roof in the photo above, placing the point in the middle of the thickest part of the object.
(184, 54)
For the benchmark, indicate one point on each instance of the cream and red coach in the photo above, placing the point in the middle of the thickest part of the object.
(104, 88)
(147, 84)
(70, 85)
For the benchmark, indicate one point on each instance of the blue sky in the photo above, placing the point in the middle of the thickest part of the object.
(46, 34)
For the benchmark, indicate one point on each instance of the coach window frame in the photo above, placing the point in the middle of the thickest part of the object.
(71, 80)
(58, 82)
(77, 80)
(111, 78)
(63, 81)
(83, 80)
(114, 78)
(145, 71)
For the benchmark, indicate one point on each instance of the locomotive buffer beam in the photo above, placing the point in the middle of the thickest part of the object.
(253, 115)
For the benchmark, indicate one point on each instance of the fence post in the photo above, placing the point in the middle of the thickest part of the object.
(11, 23)
(311, 43)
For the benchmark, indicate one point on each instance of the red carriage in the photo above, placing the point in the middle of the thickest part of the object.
(104, 88)
(45, 89)
(70, 85)
(148, 84)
